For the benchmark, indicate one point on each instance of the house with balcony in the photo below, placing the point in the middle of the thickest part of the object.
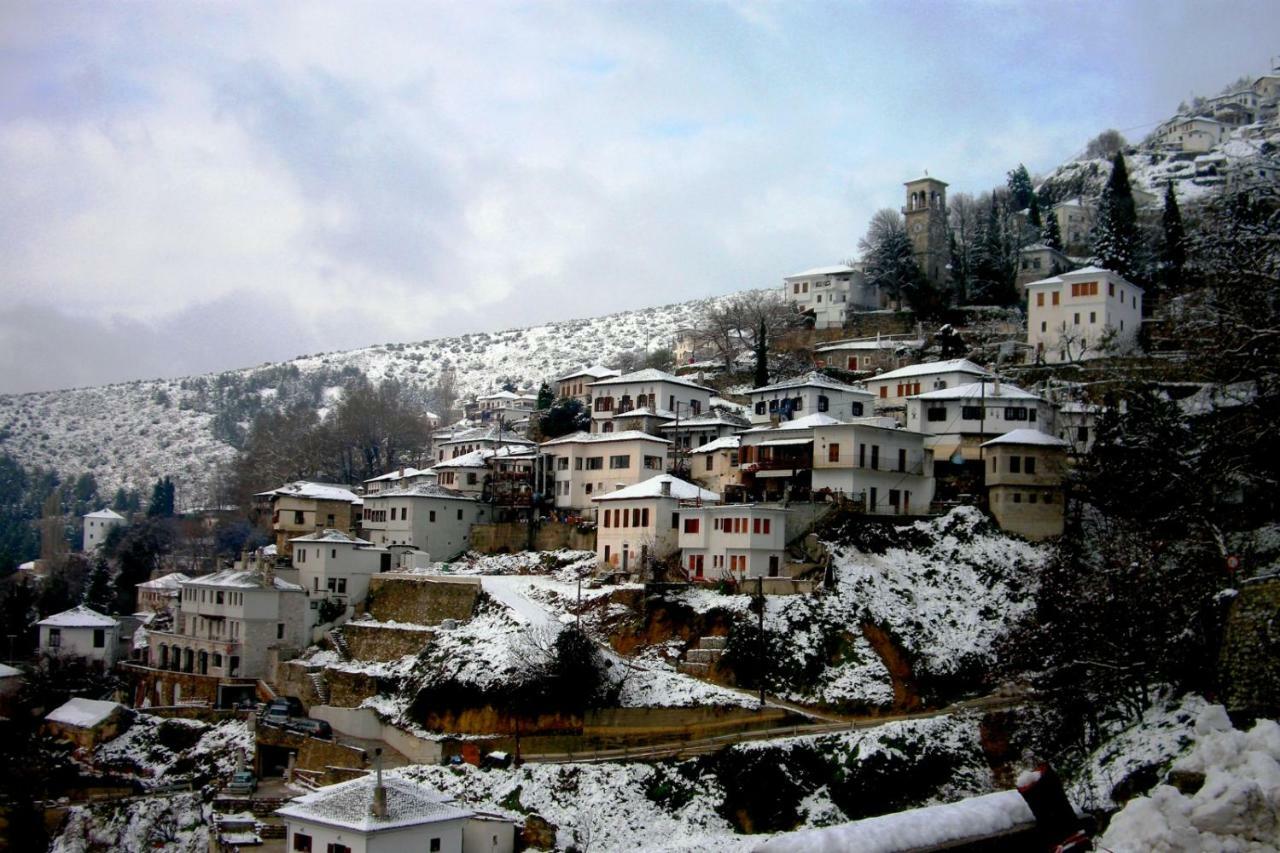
(501, 475)
(956, 422)
(732, 542)
(229, 627)
(160, 595)
(302, 507)
(577, 385)
(639, 524)
(582, 466)
(688, 435)
(776, 462)
(868, 355)
(81, 632)
(1024, 469)
(97, 525)
(812, 394)
(876, 462)
(507, 406)
(335, 566)
(1087, 313)
(831, 293)
(892, 389)
(643, 400)
(398, 479)
(424, 517)
(470, 440)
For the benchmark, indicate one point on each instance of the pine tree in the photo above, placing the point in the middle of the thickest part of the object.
(991, 271)
(545, 397)
(99, 593)
(1173, 249)
(162, 499)
(762, 355)
(959, 272)
(1033, 217)
(1115, 234)
(1020, 190)
(1051, 236)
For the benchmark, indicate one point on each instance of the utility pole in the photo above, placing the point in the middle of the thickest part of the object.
(760, 622)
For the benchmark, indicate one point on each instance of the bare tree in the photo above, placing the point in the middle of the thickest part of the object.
(733, 327)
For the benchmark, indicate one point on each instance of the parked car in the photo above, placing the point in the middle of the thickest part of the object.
(310, 727)
(242, 782)
(282, 709)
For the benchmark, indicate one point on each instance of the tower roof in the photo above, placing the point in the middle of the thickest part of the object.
(923, 178)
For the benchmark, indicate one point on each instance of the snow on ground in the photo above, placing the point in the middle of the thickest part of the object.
(1236, 809)
(162, 751)
(1166, 731)
(178, 823)
(656, 684)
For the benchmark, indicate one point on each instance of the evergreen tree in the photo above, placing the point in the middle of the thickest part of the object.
(959, 273)
(99, 592)
(162, 499)
(992, 271)
(545, 397)
(1173, 249)
(1021, 192)
(1115, 234)
(1051, 236)
(120, 503)
(762, 355)
(1033, 217)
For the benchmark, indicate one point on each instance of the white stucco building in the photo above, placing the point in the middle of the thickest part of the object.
(336, 566)
(736, 541)
(1082, 314)
(812, 394)
(98, 524)
(714, 465)
(402, 817)
(81, 632)
(862, 355)
(426, 517)
(584, 465)
(644, 400)
(889, 467)
(831, 293)
(641, 522)
(160, 594)
(892, 388)
(577, 385)
(959, 420)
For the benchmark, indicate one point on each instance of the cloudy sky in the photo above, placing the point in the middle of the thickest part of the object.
(200, 186)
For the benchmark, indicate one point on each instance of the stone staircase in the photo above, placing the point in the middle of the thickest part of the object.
(339, 643)
(322, 686)
(700, 661)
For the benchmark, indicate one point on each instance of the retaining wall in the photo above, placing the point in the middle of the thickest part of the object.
(384, 643)
(422, 599)
(507, 537)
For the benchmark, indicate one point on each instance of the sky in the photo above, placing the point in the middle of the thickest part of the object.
(191, 187)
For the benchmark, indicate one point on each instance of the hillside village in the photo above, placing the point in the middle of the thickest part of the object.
(944, 543)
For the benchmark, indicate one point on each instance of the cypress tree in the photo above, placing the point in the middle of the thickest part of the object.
(1173, 251)
(1051, 236)
(1020, 190)
(545, 397)
(1115, 234)
(1033, 216)
(762, 355)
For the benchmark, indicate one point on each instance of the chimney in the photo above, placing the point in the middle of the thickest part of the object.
(378, 808)
(268, 571)
(665, 487)
(995, 387)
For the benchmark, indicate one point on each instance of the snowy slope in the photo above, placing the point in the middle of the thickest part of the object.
(130, 433)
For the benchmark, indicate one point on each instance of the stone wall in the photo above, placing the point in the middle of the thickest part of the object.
(511, 536)
(311, 753)
(421, 599)
(349, 689)
(1250, 667)
(382, 643)
(293, 679)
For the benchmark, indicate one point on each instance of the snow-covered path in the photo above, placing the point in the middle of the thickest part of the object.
(512, 590)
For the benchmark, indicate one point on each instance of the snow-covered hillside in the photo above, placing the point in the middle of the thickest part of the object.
(129, 434)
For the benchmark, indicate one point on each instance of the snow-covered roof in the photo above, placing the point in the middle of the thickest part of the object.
(82, 713)
(336, 537)
(955, 365)
(79, 617)
(652, 488)
(707, 420)
(807, 422)
(869, 344)
(479, 458)
(728, 442)
(978, 390)
(601, 437)
(395, 475)
(105, 513)
(242, 579)
(1053, 279)
(348, 805)
(489, 433)
(595, 371)
(838, 269)
(644, 412)
(313, 491)
(812, 380)
(649, 374)
(925, 177)
(785, 442)
(423, 490)
(1027, 436)
(172, 581)
(1040, 247)
(7, 671)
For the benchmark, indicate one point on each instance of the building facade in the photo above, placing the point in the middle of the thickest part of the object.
(892, 389)
(644, 400)
(1084, 314)
(640, 523)
(97, 525)
(335, 566)
(886, 467)
(813, 394)
(1024, 471)
(302, 507)
(956, 422)
(737, 541)
(926, 221)
(582, 466)
(81, 632)
(425, 517)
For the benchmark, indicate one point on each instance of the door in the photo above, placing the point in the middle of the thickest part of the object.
(773, 566)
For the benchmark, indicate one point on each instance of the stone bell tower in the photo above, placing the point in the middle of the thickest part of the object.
(926, 214)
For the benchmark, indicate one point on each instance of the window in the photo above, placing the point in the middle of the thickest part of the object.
(620, 461)
(1093, 317)
(755, 525)
(1055, 297)
(862, 456)
(1082, 434)
(605, 521)
(435, 845)
(675, 521)
(219, 597)
(562, 463)
(1044, 326)
(302, 842)
(691, 525)
(902, 459)
(431, 516)
(1032, 497)
(1075, 318)
(856, 408)
(654, 463)
(298, 517)
(1031, 415)
(1084, 288)
(1111, 288)
(338, 848)
(760, 408)
(279, 630)
(1015, 464)
(99, 638)
(971, 413)
(459, 515)
(875, 457)
(894, 497)
(884, 391)
(1015, 413)
(936, 414)
(595, 463)
(644, 517)
(824, 404)
(1029, 464)
(766, 526)
(55, 638)
(852, 362)
(833, 453)
(1017, 497)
